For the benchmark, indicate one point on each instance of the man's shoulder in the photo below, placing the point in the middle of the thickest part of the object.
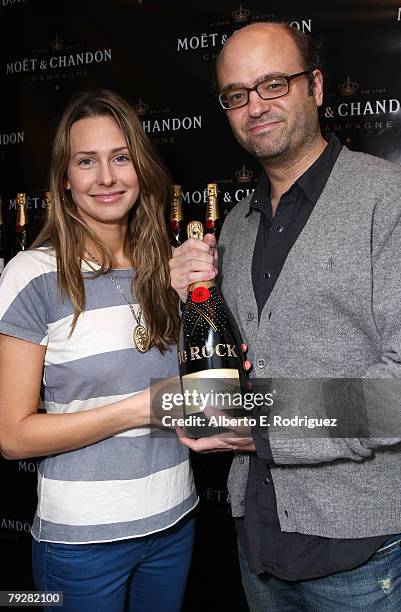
(356, 162)
(371, 185)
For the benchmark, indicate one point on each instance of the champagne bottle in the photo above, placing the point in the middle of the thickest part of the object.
(177, 230)
(47, 202)
(212, 222)
(22, 238)
(209, 356)
(3, 246)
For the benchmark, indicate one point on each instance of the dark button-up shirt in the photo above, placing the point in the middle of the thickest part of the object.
(290, 556)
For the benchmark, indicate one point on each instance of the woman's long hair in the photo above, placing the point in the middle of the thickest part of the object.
(147, 236)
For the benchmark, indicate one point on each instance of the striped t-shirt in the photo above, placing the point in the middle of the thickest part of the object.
(131, 484)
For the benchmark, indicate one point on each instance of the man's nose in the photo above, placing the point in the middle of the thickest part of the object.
(257, 106)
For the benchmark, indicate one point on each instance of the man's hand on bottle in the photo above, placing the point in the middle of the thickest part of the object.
(193, 261)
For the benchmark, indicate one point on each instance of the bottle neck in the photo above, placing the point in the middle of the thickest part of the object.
(22, 219)
(47, 203)
(208, 284)
(176, 211)
(212, 210)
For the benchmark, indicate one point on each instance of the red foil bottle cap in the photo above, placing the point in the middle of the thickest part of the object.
(200, 294)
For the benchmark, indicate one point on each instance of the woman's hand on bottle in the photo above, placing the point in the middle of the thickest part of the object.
(228, 441)
(193, 261)
(164, 398)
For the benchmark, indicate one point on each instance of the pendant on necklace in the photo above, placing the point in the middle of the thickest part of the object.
(140, 337)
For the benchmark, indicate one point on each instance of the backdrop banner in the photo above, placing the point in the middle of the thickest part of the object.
(160, 56)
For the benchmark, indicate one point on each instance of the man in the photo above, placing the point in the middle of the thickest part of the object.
(311, 269)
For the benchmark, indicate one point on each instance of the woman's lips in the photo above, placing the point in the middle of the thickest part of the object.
(107, 198)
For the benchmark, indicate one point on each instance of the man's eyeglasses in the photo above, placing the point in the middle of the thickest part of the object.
(267, 90)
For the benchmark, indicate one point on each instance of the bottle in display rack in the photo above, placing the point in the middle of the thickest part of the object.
(22, 237)
(3, 245)
(47, 201)
(212, 221)
(177, 229)
(209, 356)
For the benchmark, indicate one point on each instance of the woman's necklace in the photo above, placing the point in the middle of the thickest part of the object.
(140, 335)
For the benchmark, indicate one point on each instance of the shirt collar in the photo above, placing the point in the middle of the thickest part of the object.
(312, 181)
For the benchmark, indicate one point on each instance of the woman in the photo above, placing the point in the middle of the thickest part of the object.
(90, 306)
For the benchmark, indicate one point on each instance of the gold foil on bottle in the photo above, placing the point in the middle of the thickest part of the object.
(176, 203)
(212, 210)
(195, 230)
(47, 201)
(22, 219)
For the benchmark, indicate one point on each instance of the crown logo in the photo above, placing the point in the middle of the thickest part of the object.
(243, 175)
(241, 14)
(349, 88)
(141, 108)
(57, 44)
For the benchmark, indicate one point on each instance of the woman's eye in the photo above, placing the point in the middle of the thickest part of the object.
(122, 158)
(85, 162)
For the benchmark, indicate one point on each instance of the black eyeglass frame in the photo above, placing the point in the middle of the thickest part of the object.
(288, 78)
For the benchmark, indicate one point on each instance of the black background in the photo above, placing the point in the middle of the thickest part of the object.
(158, 62)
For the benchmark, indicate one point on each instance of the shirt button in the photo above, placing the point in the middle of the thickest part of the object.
(266, 481)
(241, 459)
(250, 316)
(280, 228)
(261, 363)
(267, 275)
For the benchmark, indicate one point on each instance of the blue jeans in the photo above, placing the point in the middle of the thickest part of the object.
(146, 574)
(374, 586)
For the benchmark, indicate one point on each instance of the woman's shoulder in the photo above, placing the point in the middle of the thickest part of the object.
(42, 258)
(29, 265)
(25, 288)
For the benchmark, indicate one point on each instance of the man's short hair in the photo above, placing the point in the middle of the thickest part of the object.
(308, 47)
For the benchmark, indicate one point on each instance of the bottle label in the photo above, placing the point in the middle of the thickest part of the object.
(214, 373)
(206, 352)
(217, 388)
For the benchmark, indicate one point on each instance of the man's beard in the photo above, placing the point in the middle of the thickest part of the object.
(268, 145)
(269, 150)
(283, 144)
